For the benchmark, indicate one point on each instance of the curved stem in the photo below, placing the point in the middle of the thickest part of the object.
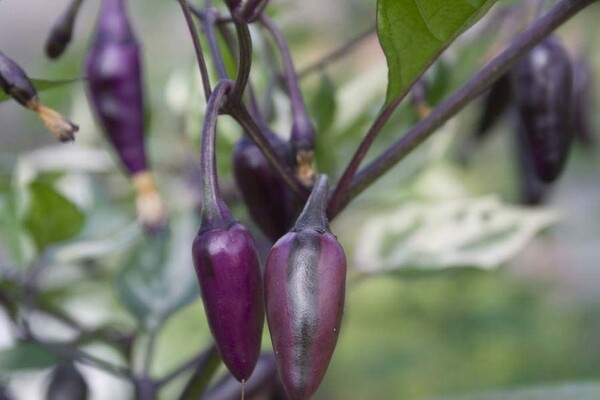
(245, 61)
(214, 211)
(209, 21)
(336, 54)
(197, 48)
(303, 131)
(197, 361)
(482, 81)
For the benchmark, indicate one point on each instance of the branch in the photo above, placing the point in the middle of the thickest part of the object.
(482, 81)
(336, 54)
(197, 48)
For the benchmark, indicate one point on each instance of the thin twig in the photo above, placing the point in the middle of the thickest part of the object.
(482, 81)
(209, 22)
(336, 54)
(244, 63)
(197, 48)
(197, 360)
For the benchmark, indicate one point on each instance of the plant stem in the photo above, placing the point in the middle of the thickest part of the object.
(240, 113)
(196, 361)
(197, 48)
(245, 61)
(209, 22)
(214, 213)
(482, 81)
(302, 128)
(336, 54)
(219, 20)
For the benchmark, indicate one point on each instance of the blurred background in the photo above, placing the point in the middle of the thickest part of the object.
(423, 320)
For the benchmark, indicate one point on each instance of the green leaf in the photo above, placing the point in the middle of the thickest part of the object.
(574, 391)
(414, 33)
(158, 279)
(324, 105)
(51, 217)
(26, 356)
(43, 84)
(11, 229)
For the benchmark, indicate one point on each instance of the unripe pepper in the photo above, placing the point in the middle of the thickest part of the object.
(226, 263)
(62, 30)
(305, 280)
(269, 201)
(115, 91)
(15, 83)
(542, 84)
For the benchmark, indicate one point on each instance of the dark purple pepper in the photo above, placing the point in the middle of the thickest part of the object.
(269, 201)
(115, 91)
(305, 280)
(262, 383)
(226, 264)
(532, 191)
(542, 84)
(15, 83)
(67, 383)
(62, 31)
(583, 89)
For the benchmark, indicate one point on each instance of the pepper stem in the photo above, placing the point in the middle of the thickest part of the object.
(214, 210)
(314, 214)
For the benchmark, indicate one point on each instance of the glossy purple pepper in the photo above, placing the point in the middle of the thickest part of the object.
(305, 280)
(542, 84)
(226, 263)
(115, 91)
(270, 203)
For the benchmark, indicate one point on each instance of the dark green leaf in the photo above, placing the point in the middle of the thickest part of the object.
(42, 84)
(26, 356)
(51, 217)
(414, 33)
(10, 229)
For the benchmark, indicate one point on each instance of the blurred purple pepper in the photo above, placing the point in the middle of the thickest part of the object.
(532, 191)
(62, 31)
(583, 89)
(226, 263)
(305, 280)
(115, 91)
(270, 203)
(67, 383)
(15, 83)
(542, 84)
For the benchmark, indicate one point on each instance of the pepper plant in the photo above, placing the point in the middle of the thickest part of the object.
(68, 207)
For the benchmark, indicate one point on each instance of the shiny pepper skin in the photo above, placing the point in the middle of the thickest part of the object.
(304, 296)
(228, 272)
(269, 201)
(114, 76)
(542, 84)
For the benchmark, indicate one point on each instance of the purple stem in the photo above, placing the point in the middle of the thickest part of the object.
(482, 81)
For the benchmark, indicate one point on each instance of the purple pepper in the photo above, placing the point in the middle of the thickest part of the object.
(15, 83)
(305, 280)
(583, 89)
(270, 203)
(226, 263)
(62, 31)
(115, 91)
(533, 192)
(542, 84)
(67, 383)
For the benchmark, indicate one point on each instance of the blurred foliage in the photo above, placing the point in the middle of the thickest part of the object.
(405, 336)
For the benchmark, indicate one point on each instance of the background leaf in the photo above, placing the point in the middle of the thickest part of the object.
(43, 84)
(413, 33)
(51, 217)
(26, 356)
(158, 279)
